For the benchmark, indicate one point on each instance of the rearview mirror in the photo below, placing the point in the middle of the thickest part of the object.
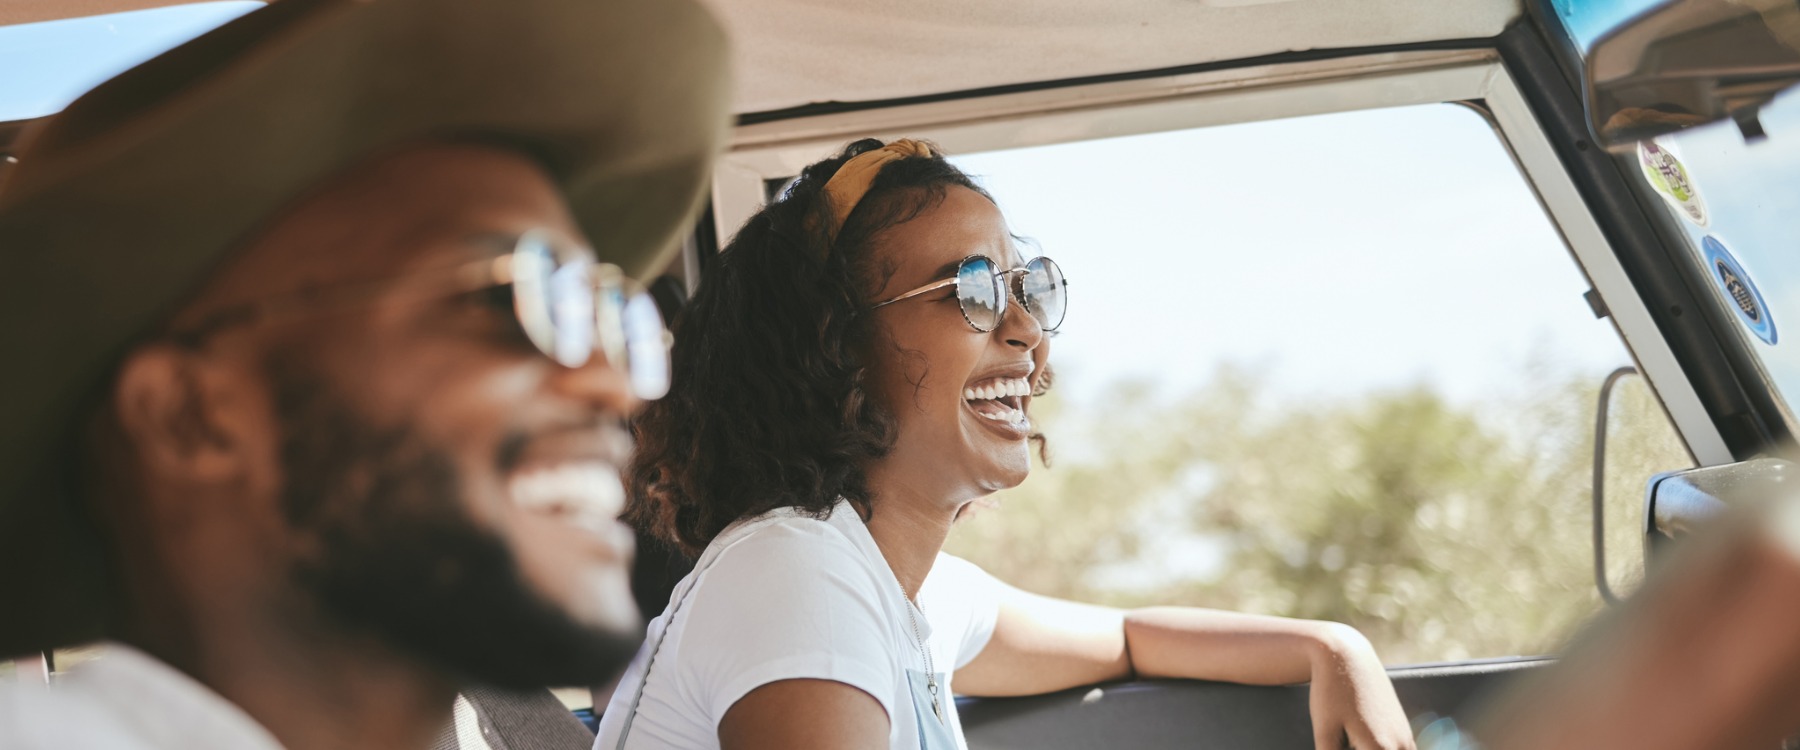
(1691, 62)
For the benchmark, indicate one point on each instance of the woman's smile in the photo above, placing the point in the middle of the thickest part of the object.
(1000, 401)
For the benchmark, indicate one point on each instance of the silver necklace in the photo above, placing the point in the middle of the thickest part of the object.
(919, 640)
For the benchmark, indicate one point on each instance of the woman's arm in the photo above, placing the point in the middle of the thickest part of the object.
(1352, 701)
(1235, 647)
(1041, 645)
(804, 715)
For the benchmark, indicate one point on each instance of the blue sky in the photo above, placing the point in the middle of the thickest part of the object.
(44, 66)
(1339, 253)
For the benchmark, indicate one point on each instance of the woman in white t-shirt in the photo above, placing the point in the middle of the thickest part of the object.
(855, 371)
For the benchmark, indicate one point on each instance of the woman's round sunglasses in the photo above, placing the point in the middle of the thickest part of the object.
(569, 304)
(982, 291)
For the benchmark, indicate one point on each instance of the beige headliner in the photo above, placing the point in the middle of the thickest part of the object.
(794, 52)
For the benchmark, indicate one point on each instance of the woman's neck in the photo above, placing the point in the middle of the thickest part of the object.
(910, 527)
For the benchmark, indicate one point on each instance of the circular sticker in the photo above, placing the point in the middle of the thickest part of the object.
(1739, 289)
(1671, 180)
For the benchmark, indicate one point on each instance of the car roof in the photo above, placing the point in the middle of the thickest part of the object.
(792, 53)
(797, 52)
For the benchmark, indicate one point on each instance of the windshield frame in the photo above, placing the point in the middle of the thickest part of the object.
(1745, 402)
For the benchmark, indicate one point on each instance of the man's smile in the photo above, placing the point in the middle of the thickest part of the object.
(587, 493)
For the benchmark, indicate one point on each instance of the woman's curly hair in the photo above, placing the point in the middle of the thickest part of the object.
(767, 408)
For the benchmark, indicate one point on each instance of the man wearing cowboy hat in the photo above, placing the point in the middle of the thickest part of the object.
(319, 332)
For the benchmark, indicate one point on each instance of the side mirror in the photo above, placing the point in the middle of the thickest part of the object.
(1679, 502)
(1691, 62)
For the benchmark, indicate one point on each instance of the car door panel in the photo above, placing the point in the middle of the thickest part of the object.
(1156, 714)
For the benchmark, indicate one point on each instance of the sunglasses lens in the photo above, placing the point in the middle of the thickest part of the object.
(646, 347)
(554, 300)
(572, 313)
(1044, 292)
(631, 332)
(570, 304)
(980, 293)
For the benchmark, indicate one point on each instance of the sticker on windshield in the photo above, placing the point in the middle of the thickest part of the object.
(1671, 180)
(1739, 289)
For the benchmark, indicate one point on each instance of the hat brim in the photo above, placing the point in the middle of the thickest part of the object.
(124, 202)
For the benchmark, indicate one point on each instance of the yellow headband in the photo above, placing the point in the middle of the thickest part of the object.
(846, 188)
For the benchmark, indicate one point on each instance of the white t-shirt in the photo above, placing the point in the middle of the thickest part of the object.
(784, 596)
(125, 700)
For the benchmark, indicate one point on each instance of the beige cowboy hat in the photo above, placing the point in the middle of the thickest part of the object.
(122, 203)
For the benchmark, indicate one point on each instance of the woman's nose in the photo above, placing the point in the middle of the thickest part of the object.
(1019, 328)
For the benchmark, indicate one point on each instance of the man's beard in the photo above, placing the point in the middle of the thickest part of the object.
(399, 555)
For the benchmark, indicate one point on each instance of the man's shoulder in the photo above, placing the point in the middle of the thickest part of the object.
(125, 699)
(37, 717)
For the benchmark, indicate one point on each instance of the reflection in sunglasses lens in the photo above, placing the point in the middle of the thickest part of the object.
(570, 305)
(978, 291)
(1045, 295)
(571, 302)
(647, 356)
(533, 263)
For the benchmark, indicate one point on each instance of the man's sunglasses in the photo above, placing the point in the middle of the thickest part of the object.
(569, 304)
(982, 291)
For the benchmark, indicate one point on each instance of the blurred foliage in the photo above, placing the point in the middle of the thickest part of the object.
(1443, 531)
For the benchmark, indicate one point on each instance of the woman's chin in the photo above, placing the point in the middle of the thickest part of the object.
(977, 507)
(1008, 471)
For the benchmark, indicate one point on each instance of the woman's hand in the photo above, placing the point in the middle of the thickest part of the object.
(1353, 702)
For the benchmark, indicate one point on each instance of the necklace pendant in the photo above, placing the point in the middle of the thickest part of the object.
(937, 709)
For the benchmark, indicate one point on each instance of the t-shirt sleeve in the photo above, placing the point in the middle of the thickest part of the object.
(960, 596)
(786, 603)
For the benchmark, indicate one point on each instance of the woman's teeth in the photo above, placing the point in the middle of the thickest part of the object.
(998, 399)
(588, 493)
(994, 388)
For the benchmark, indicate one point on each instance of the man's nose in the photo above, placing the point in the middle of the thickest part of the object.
(600, 383)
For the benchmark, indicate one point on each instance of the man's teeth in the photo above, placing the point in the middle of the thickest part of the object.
(587, 491)
(994, 388)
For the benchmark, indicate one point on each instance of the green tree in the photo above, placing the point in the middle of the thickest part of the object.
(1443, 531)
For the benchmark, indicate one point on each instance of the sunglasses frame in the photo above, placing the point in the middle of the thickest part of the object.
(1004, 280)
(609, 282)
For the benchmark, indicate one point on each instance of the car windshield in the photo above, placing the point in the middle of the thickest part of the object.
(1732, 199)
(1587, 20)
(44, 66)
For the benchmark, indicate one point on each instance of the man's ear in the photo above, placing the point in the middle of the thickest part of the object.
(184, 413)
